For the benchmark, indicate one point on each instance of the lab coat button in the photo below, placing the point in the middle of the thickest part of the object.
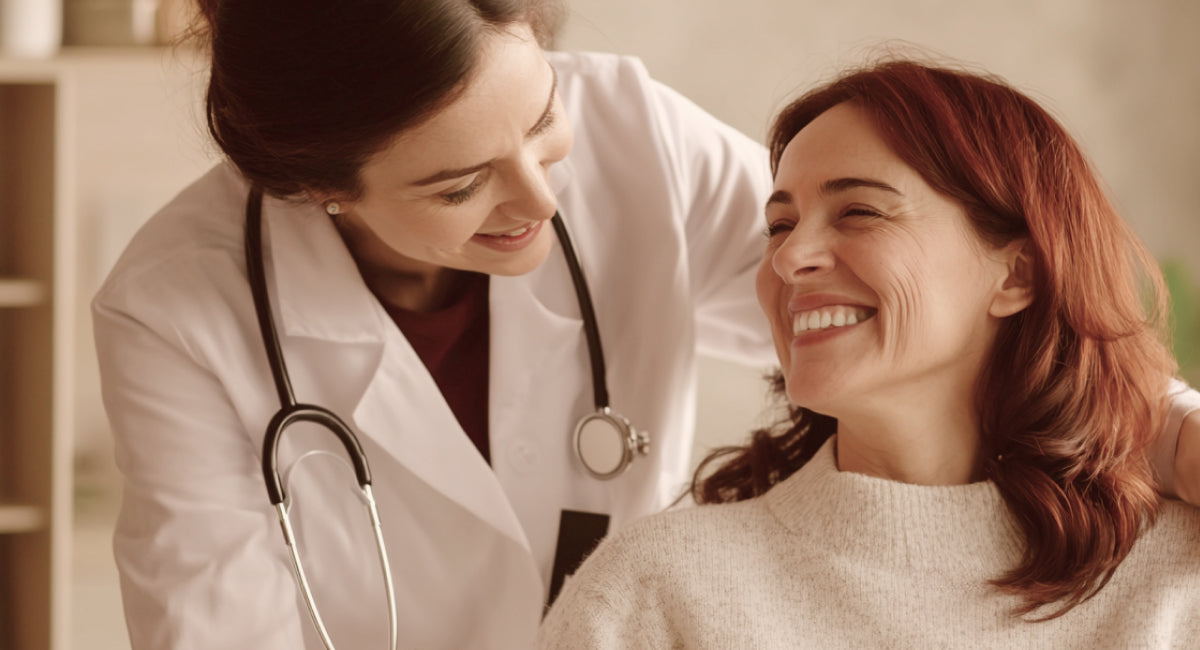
(524, 456)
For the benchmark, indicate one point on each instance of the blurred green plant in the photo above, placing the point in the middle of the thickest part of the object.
(1184, 318)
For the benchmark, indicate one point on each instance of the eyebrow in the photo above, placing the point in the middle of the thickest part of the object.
(447, 174)
(835, 185)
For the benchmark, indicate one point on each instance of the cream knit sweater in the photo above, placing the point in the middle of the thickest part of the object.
(831, 559)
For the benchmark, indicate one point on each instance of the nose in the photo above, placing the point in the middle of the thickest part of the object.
(805, 252)
(533, 197)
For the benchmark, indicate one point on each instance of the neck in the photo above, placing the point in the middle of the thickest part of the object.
(925, 445)
(418, 292)
(397, 281)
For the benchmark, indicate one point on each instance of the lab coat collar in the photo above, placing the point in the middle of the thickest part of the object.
(395, 403)
(321, 294)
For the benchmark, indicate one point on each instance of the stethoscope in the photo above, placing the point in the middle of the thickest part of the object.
(605, 441)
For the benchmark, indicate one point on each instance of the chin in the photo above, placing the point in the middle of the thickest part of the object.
(814, 393)
(521, 263)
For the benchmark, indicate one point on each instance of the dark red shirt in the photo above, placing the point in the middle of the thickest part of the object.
(453, 343)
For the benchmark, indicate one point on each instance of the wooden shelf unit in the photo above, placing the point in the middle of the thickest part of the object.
(21, 519)
(91, 140)
(36, 344)
(18, 292)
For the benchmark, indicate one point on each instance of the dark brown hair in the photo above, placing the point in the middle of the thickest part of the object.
(303, 92)
(1073, 391)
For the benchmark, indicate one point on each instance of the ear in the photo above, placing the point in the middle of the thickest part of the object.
(324, 199)
(1016, 288)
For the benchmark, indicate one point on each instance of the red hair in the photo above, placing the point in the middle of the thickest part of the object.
(1073, 393)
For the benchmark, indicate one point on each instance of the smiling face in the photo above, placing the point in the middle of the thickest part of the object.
(467, 189)
(879, 294)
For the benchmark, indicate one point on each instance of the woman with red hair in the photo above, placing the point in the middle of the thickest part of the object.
(976, 393)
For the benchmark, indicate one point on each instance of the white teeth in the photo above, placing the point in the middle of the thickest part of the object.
(517, 232)
(819, 319)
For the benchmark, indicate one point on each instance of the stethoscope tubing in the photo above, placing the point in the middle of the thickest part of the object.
(291, 412)
(590, 327)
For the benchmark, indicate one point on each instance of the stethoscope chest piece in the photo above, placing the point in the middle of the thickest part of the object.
(607, 443)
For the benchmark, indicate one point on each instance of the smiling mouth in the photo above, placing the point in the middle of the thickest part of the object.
(516, 232)
(829, 317)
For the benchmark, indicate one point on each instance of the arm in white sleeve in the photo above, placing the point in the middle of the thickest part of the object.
(1171, 454)
(723, 179)
(201, 560)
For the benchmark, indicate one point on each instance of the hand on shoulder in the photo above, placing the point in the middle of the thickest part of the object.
(1187, 460)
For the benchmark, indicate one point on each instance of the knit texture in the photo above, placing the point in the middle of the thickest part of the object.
(831, 559)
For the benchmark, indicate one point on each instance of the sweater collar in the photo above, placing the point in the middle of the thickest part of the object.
(955, 529)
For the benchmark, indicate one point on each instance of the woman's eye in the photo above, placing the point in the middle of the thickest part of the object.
(544, 124)
(777, 228)
(458, 197)
(860, 211)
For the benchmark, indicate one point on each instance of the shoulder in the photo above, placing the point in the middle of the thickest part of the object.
(598, 69)
(208, 213)
(664, 547)
(608, 96)
(1167, 555)
(634, 130)
(1175, 537)
(630, 590)
(614, 93)
(688, 520)
(192, 244)
(1158, 583)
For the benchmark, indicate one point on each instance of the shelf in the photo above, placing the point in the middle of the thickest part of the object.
(20, 519)
(16, 292)
(38, 260)
(72, 127)
(96, 58)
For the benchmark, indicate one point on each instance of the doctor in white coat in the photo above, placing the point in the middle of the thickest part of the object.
(661, 201)
(411, 155)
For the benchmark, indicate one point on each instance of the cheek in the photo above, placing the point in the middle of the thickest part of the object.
(459, 229)
(767, 286)
(930, 304)
(431, 229)
(907, 290)
(770, 291)
(903, 288)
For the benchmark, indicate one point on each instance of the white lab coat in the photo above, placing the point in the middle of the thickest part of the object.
(664, 205)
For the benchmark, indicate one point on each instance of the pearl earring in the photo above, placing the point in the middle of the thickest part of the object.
(332, 208)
